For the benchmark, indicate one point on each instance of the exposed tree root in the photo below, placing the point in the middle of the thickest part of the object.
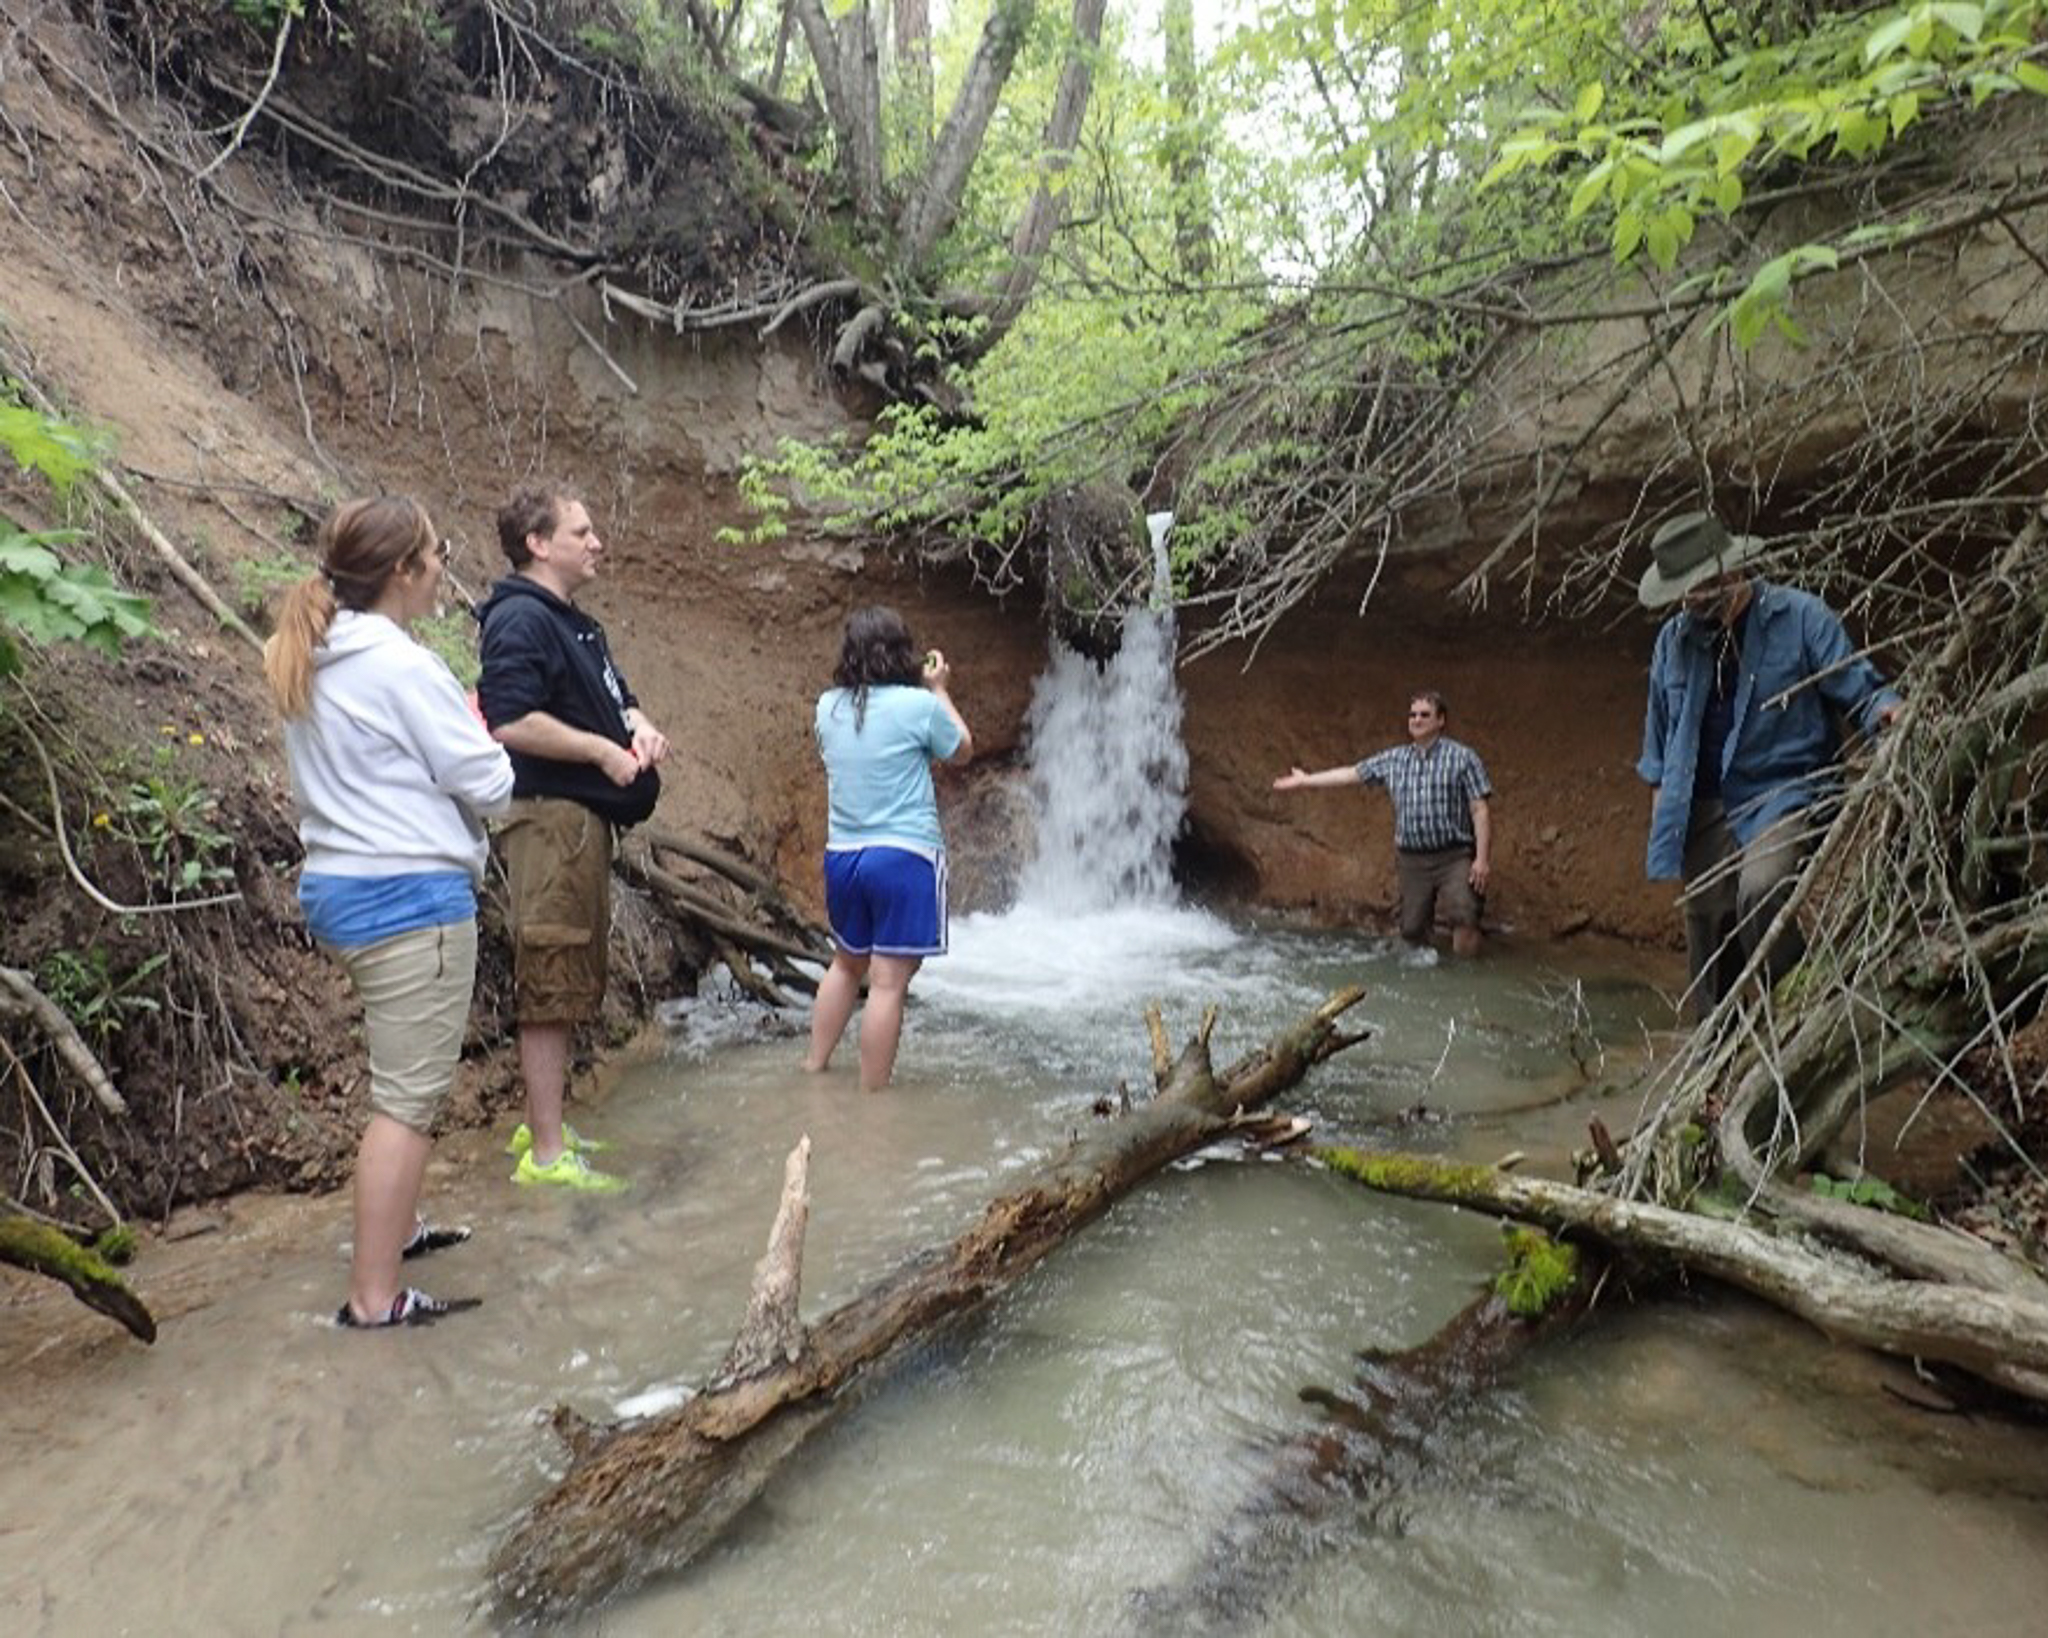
(22, 1002)
(765, 928)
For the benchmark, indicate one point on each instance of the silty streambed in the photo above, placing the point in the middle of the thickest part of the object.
(1687, 1467)
(1069, 1462)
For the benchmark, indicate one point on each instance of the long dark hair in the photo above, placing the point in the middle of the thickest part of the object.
(362, 545)
(876, 651)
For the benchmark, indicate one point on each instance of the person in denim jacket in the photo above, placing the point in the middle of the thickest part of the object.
(1749, 685)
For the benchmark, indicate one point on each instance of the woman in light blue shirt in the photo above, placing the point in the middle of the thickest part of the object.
(887, 718)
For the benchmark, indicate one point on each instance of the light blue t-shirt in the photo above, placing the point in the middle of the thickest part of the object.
(879, 776)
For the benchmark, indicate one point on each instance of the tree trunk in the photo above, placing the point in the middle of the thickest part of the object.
(931, 207)
(1187, 160)
(913, 32)
(652, 1495)
(1381, 1434)
(848, 68)
(1048, 206)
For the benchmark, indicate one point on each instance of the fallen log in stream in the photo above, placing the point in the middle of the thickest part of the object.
(649, 1496)
(1381, 1433)
(1998, 1335)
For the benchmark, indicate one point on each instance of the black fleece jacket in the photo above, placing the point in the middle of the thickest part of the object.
(541, 653)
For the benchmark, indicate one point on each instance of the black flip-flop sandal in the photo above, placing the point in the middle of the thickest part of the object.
(428, 1237)
(411, 1306)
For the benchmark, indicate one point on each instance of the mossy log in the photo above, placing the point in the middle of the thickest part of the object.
(651, 1495)
(93, 1281)
(1996, 1335)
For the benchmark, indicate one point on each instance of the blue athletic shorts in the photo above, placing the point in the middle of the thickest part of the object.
(886, 901)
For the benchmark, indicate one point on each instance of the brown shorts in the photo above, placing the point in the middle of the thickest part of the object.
(558, 860)
(1433, 881)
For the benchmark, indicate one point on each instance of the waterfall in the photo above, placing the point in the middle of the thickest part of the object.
(1097, 928)
(1108, 771)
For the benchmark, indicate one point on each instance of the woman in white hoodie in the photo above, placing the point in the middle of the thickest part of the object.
(394, 775)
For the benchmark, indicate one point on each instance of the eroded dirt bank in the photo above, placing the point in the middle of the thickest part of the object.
(254, 368)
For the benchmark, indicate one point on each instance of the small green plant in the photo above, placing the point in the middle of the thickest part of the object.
(1540, 1272)
(43, 597)
(257, 578)
(1873, 1192)
(170, 817)
(116, 1245)
(267, 15)
(100, 1002)
(451, 636)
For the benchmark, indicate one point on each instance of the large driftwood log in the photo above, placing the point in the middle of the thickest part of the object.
(1994, 1335)
(654, 1494)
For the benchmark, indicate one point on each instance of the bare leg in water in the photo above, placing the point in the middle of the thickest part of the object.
(881, 1027)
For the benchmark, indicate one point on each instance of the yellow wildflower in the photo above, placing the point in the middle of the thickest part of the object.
(195, 738)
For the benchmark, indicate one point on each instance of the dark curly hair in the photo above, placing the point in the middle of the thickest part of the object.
(876, 652)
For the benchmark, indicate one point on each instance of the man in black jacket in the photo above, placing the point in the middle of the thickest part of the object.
(583, 766)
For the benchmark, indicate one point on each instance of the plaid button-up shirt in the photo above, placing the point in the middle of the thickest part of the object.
(1432, 790)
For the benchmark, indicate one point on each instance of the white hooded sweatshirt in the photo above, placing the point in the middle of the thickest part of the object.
(392, 770)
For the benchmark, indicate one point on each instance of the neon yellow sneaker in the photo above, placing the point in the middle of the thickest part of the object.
(522, 1140)
(569, 1170)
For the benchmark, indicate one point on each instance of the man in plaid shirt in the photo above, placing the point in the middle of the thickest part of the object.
(1443, 831)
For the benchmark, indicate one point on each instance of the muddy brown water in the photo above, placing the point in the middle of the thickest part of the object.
(1080, 1460)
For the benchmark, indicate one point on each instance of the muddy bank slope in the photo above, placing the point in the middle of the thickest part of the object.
(254, 366)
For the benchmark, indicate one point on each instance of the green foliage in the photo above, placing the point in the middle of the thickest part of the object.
(116, 1246)
(1873, 1192)
(1540, 1273)
(267, 16)
(256, 579)
(1375, 181)
(452, 636)
(657, 41)
(1696, 139)
(46, 600)
(169, 815)
(43, 597)
(55, 450)
(99, 1001)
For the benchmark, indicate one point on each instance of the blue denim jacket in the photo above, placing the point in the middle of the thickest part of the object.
(1798, 667)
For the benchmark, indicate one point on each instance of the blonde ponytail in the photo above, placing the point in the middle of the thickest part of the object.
(302, 623)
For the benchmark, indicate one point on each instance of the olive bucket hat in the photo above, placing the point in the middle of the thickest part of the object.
(1688, 549)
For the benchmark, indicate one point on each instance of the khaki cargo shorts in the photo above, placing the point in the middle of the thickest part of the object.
(415, 989)
(558, 860)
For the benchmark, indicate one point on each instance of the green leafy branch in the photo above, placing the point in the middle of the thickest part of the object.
(1844, 91)
(43, 597)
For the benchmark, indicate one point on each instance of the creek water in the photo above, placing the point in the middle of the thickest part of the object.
(1086, 1458)
(1094, 1454)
